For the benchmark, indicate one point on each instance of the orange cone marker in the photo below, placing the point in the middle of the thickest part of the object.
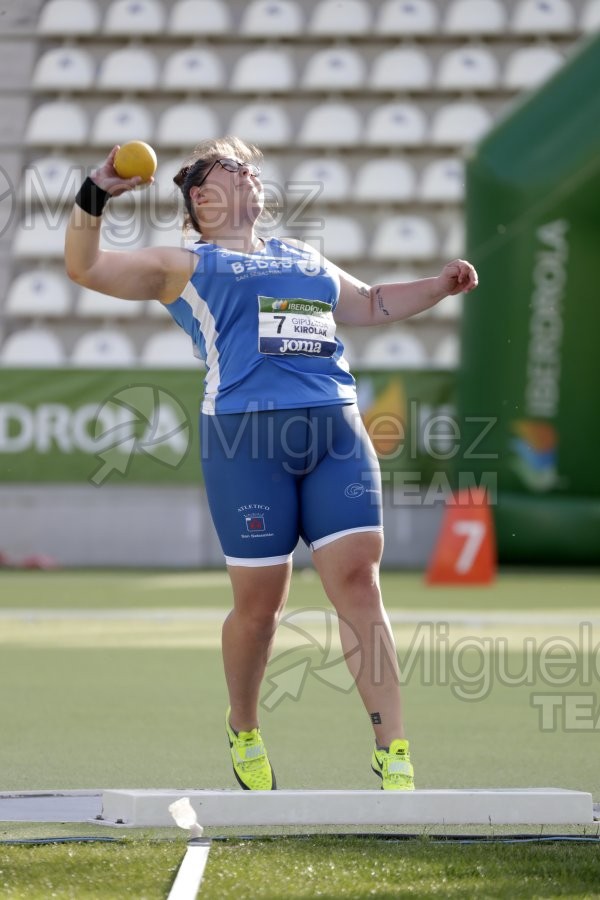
(465, 552)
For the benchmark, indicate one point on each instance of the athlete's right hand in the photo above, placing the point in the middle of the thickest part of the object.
(107, 178)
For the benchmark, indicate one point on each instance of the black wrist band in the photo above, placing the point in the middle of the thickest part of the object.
(91, 198)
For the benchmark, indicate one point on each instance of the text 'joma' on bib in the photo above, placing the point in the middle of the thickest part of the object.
(294, 326)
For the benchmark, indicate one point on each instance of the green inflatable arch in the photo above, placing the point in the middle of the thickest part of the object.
(529, 385)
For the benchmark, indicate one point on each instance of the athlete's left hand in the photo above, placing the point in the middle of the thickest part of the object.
(457, 277)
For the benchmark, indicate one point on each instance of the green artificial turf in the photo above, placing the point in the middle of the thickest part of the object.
(125, 688)
(100, 718)
(141, 869)
(358, 868)
(327, 867)
(561, 590)
(139, 702)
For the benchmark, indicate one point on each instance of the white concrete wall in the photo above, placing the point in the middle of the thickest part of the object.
(81, 525)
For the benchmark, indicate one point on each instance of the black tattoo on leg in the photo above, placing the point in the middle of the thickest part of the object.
(380, 302)
(363, 291)
(376, 718)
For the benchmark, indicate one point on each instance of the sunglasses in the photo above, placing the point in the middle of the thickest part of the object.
(231, 165)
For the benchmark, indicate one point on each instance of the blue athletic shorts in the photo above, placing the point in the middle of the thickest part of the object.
(275, 476)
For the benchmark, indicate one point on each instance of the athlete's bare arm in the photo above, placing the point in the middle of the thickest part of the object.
(154, 273)
(363, 304)
(158, 273)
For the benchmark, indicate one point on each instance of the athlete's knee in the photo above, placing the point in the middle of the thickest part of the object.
(361, 581)
(354, 555)
(259, 622)
(356, 584)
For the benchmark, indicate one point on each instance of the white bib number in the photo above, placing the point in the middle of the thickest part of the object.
(295, 327)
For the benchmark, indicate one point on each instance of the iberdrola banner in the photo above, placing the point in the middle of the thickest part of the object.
(141, 426)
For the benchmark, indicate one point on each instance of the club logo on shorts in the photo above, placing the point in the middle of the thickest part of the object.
(255, 522)
(254, 519)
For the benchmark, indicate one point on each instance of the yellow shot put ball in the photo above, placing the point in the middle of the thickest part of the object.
(135, 158)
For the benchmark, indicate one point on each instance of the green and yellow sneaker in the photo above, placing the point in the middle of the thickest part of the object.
(251, 764)
(393, 767)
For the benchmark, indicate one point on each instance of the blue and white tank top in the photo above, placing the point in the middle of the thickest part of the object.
(263, 322)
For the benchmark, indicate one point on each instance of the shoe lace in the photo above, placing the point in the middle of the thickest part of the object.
(249, 740)
(396, 767)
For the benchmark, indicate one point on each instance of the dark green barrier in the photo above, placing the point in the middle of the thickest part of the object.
(531, 333)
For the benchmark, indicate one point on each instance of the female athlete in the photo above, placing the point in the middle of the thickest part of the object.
(284, 452)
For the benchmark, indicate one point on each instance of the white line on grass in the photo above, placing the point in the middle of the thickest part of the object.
(218, 614)
(201, 628)
(191, 871)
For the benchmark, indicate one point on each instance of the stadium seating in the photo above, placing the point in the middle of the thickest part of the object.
(537, 17)
(271, 176)
(453, 244)
(122, 228)
(267, 70)
(396, 124)
(128, 69)
(40, 234)
(530, 66)
(396, 275)
(272, 18)
(32, 348)
(330, 175)
(170, 349)
(590, 16)
(166, 190)
(336, 18)
(103, 348)
(191, 69)
(336, 68)
(405, 237)
(468, 68)
(401, 69)
(68, 17)
(59, 123)
(384, 180)
(449, 308)
(395, 348)
(338, 238)
(142, 17)
(51, 179)
(266, 124)
(407, 18)
(458, 124)
(375, 103)
(199, 18)
(64, 69)
(443, 181)
(475, 18)
(330, 124)
(446, 355)
(168, 235)
(117, 123)
(38, 293)
(92, 304)
(184, 124)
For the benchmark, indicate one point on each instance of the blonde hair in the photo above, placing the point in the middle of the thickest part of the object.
(202, 157)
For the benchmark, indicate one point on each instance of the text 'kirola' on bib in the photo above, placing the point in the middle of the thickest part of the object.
(290, 327)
